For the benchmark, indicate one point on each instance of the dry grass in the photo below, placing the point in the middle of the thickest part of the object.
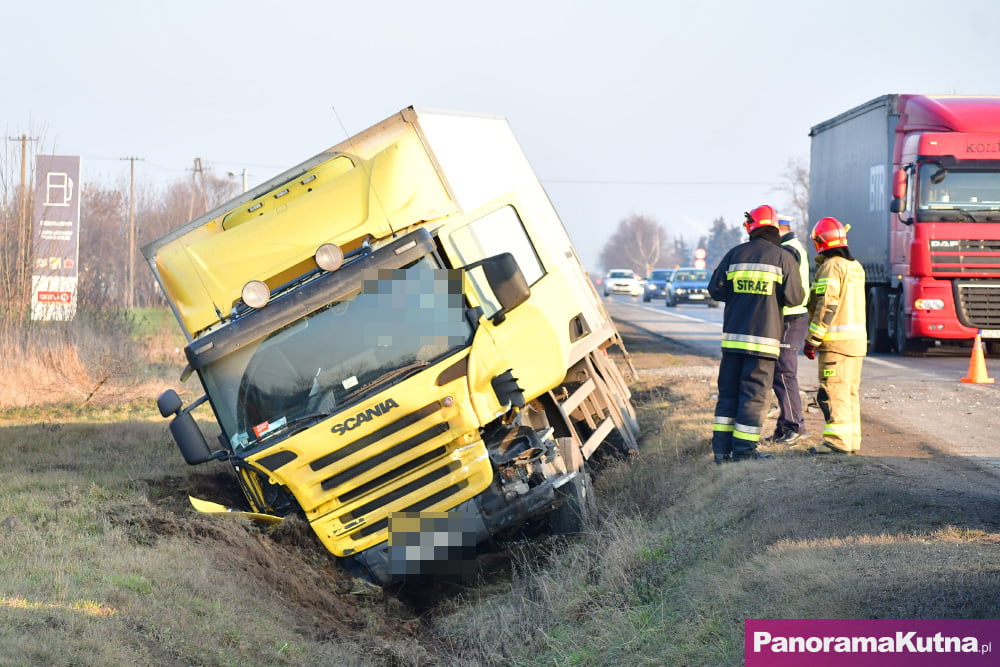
(107, 358)
(685, 550)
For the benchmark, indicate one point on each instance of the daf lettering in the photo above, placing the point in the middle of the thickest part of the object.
(990, 147)
(945, 244)
(352, 423)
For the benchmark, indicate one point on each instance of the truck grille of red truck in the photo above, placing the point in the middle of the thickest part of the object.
(978, 303)
(961, 257)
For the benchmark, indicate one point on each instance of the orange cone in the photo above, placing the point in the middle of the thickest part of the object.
(977, 365)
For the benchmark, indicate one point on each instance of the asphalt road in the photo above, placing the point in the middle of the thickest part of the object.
(923, 396)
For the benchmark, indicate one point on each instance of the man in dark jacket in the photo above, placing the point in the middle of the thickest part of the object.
(756, 280)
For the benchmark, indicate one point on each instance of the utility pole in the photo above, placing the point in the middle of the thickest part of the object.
(195, 173)
(130, 294)
(24, 241)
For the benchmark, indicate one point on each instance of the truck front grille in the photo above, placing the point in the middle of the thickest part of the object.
(415, 462)
(978, 304)
(965, 256)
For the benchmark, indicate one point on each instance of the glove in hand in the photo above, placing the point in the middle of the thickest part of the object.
(809, 350)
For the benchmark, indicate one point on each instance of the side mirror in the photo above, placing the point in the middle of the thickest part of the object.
(169, 403)
(506, 281)
(189, 438)
(899, 179)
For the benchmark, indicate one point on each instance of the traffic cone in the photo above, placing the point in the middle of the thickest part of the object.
(977, 365)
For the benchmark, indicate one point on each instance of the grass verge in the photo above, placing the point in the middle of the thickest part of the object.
(103, 563)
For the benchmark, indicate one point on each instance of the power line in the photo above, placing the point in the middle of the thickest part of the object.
(609, 182)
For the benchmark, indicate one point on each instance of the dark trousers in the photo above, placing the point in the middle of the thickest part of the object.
(786, 376)
(744, 383)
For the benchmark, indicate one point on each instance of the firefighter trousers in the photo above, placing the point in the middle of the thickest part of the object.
(744, 384)
(786, 376)
(839, 398)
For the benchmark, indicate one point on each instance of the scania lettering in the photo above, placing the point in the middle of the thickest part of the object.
(918, 179)
(397, 327)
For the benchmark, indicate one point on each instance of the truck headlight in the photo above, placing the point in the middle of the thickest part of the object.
(928, 304)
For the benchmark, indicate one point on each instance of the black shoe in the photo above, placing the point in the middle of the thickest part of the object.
(751, 456)
(788, 437)
(728, 458)
(825, 448)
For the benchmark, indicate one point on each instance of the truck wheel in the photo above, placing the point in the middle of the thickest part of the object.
(878, 339)
(908, 347)
(577, 505)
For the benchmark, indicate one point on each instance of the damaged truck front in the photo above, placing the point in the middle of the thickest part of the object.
(394, 334)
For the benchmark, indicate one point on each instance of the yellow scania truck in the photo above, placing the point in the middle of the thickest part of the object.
(400, 344)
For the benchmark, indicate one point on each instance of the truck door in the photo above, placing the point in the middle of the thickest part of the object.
(528, 338)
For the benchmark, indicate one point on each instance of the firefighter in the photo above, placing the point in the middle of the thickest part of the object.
(837, 332)
(756, 280)
(791, 425)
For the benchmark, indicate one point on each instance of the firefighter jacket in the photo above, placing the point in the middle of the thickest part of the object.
(756, 279)
(837, 307)
(793, 245)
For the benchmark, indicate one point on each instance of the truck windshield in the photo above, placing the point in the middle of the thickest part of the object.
(397, 322)
(956, 195)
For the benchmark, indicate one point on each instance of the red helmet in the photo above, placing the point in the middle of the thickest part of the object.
(829, 233)
(762, 216)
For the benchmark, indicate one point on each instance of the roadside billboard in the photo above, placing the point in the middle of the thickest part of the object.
(55, 238)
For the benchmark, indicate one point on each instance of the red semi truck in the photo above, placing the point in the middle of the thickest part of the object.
(918, 179)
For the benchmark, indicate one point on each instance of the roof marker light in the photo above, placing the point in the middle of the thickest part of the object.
(256, 294)
(329, 257)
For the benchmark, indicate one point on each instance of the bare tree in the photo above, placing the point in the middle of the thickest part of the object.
(103, 246)
(16, 191)
(640, 243)
(795, 185)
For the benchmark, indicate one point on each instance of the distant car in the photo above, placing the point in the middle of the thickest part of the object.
(622, 281)
(689, 285)
(656, 284)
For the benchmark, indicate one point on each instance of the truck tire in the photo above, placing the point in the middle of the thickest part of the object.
(576, 509)
(908, 347)
(878, 336)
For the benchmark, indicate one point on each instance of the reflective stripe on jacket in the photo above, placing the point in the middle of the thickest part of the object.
(756, 280)
(837, 307)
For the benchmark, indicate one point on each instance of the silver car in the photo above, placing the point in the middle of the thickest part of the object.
(622, 281)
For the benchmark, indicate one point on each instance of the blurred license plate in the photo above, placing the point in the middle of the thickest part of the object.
(697, 296)
(990, 333)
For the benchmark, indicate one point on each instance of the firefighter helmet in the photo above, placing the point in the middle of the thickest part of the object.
(829, 233)
(762, 216)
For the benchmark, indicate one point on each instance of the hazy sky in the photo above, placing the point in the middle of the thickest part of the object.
(680, 111)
